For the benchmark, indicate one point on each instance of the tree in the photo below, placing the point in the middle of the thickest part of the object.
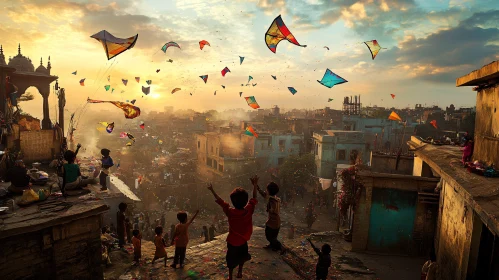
(28, 96)
(298, 170)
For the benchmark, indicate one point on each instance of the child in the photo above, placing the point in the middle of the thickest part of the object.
(72, 179)
(121, 224)
(273, 224)
(137, 246)
(211, 233)
(181, 238)
(107, 162)
(160, 244)
(205, 234)
(240, 226)
(324, 262)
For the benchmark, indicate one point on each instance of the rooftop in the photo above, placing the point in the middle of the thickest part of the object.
(480, 76)
(480, 192)
(337, 132)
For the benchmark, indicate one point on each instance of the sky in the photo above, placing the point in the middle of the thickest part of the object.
(429, 43)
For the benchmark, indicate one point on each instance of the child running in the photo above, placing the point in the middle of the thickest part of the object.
(324, 262)
(137, 246)
(273, 224)
(240, 225)
(181, 238)
(160, 244)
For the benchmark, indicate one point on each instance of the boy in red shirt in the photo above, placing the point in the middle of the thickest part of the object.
(240, 225)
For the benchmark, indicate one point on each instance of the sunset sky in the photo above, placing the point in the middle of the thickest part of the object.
(429, 44)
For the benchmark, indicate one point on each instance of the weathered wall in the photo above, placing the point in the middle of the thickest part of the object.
(487, 126)
(360, 233)
(454, 237)
(69, 251)
(421, 168)
(386, 164)
(39, 145)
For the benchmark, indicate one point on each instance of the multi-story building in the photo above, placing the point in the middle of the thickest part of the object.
(271, 149)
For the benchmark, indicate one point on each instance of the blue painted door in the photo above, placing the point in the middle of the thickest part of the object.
(392, 220)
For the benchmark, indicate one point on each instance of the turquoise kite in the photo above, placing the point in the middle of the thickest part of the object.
(107, 87)
(241, 59)
(250, 78)
(204, 77)
(330, 79)
(74, 73)
(292, 90)
(169, 44)
(252, 102)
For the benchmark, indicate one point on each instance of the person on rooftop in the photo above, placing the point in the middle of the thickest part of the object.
(18, 178)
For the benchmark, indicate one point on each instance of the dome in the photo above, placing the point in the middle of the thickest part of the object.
(21, 63)
(41, 69)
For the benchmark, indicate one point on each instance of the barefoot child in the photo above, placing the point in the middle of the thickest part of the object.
(273, 224)
(240, 226)
(181, 238)
(160, 244)
(137, 246)
(324, 262)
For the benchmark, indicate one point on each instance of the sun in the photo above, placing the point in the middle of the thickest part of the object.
(155, 96)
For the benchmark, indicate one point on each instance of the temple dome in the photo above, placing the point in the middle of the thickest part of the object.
(21, 63)
(42, 69)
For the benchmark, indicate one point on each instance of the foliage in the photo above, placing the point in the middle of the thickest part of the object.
(28, 96)
(298, 170)
(349, 189)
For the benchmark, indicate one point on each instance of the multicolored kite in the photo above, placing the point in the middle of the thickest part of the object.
(110, 127)
(394, 117)
(277, 32)
(149, 82)
(112, 45)
(292, 90)
(252, 102)
(250, 78)
(392, 95)
(373, 47)
(107, 87)
(204, 77)
(124, 81)
(146, 90)
(137, 79)
(130, 111)
(169, 44)
(251, 132)
(203, 43)
(330, 79)
(74, 73)
(82, 82)
(175, 90)
(241, 59)
(434, 123)
(225, 70)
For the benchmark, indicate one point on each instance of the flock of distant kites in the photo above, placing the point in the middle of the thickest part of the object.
(277, 32)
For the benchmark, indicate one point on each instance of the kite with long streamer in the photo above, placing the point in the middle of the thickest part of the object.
(277, 32)
(330, 79)
(112, 45)
(130, 111)
(252, 102)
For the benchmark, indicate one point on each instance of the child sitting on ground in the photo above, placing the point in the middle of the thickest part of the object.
(240, 226)
(273, 224)
(324, 262)
(160, 244)
(107, 162)
(137, 245)
(181, 238)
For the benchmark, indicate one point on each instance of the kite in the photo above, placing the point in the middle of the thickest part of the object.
(434, 123)
(137, 79)
(110, 127)
(146, 90)
(149, 82)
(130, 111)
(170, 60)
(112, 45)
(191, 93)
(240, 94)
(275, 78)
(394, 117)
(330, 99)
(133, 101)
(129, 144)
(251, 132)
(278, 32)
(107, 87)
(215, 93)
(108, 78)
(124, 81)
(74, 73)
(225, 70)
(330, 79)
(169, 44)
(252, 102)
(112, 90)
(250, 78)
(204, 77)
(175, 90)
(157, 70)
(142, 125)
(241, 59)
(253, 84)
(292, 90)
(392, 95)
(203, 43)
(326, 48)
(123, 135)
(223, 86)
(373, 47)
(82, 82)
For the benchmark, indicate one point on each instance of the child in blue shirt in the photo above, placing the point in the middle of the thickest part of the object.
(107, 162)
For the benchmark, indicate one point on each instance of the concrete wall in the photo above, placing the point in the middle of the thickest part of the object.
(386, 164)
(487, 126)
(454, 234)
(41, 145)
(69, 251)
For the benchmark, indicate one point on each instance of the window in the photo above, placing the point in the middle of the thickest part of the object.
(280, 161)
(263, 146)
(341, 155)
(209, 162)
(282, 143)
(221, 168)
(215, 164)
(316, 148)
(199, 144)
(353, 155)
(211, 149)
(217, 151)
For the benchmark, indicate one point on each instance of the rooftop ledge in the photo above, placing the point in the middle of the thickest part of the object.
(480, 76)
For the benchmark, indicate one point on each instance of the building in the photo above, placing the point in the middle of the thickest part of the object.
(333, 147)
(388, 163)
(271, 149)
(466, 239)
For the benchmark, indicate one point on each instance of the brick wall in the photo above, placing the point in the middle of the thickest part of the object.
(69, 251)
(39, 145)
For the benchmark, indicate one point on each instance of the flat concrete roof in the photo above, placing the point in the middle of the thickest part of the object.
(482, 193)
(480, 76)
